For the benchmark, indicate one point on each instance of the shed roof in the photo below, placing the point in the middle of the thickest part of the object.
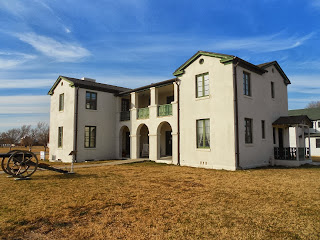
(293, 120)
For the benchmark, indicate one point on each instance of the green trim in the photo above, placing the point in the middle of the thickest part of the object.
(225, 59)
(51, 91)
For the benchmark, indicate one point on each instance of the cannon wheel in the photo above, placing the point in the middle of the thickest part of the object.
(22, 164)
(4, 162)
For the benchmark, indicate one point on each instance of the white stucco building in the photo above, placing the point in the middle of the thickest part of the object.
(313, 138)
(218, 112)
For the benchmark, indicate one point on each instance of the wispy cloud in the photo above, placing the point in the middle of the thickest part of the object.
(306, 84)
(315, 3)
(59, 50)
(24, 104)
(9, 60)
(25, 83)
(268, 43)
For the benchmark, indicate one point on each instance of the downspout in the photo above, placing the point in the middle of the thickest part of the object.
(76, 113)
(178, 118)
(237, 153)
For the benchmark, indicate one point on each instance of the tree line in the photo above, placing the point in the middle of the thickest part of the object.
(27, 136)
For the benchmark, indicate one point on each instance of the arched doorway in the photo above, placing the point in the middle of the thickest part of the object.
(125, 142)
(143, 141)
(164, 141)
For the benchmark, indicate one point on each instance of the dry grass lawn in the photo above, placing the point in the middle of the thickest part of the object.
(156, 201)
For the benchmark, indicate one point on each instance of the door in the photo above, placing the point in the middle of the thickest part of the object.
(168, 143)
(280, 135)
(128, 144)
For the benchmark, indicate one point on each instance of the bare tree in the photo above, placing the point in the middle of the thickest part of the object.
(43, 134)
(313, 104)
(12, 136)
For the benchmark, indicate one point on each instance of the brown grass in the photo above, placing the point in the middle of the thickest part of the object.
(155, 201)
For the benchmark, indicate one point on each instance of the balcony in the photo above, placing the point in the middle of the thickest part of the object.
(165, 110)
(290, 153)
(125, 116)
(143, 113)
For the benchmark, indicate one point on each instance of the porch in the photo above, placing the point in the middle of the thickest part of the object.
(293, 155)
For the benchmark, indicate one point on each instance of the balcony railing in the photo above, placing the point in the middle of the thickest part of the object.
(125, 116)
(290, 153)
(143, 113)
(165, 110)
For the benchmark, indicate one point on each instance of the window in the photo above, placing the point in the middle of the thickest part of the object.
(274, 135)
(61, 102)
(319, 124)
(89, 137)
(203, 133)
(248, 130)
(272, 89)
(318, 143)
(246, 84)
(263, 129)
(125, 105)
(313, 124)
(60, 137)
(202, 81)
(91, 100)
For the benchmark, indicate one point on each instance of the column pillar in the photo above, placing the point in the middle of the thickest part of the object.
(297, 141)
(153, 108)
(309, 145)
(175, 91)
(134, 146)
(134, 104)
(153, 147)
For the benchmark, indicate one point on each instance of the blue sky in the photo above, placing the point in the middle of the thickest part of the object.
(132, 43)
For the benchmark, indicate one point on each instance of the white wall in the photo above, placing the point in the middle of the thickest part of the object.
(218, 107)
(63, 119)
(104, 118)
(261, 106)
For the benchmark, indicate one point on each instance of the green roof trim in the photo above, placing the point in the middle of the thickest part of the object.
(225, 59)
(57, 82)
(312, 113)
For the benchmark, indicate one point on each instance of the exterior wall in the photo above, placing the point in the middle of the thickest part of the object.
(315, 152)
(63, 119)
(261, 106)
(105, 121)
(218, 107)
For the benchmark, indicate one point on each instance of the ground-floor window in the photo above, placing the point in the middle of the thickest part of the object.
(60, 137)
(90, 137)
(248, 130)
(203, 133)
(318, 143)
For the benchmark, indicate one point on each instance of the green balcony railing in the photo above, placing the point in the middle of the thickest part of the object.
(143, 113)
(165, 110)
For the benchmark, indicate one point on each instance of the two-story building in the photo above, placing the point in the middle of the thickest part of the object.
(218, 112)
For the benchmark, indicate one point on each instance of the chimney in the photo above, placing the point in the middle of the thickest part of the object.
(88, 79)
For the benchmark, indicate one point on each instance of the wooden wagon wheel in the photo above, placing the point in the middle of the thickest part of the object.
(22, 164)
(4, 162)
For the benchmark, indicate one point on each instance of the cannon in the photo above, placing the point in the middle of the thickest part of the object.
(22, 164)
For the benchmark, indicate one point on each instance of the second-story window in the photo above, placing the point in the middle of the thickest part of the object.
(91, 100)
(202, 82)
(246, 84)
(272, 89)
(61, 102)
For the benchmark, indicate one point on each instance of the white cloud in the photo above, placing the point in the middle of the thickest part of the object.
(24, 104)
(306, 84)
(315, 3)
(25, 83)
(268, 43)
(9, 60)
(60, 51)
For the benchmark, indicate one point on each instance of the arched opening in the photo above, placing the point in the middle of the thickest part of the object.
(125, 142)
(143, 141)
(164, 141)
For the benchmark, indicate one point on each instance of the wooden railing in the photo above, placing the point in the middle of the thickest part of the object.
(125, 116)
(165, 110)
(290, 153)
(143, 113)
